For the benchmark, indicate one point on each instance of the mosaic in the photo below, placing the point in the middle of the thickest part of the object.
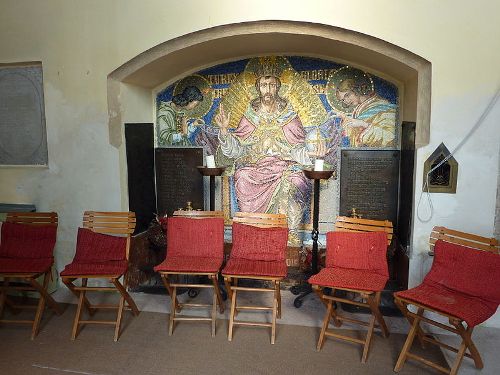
(267, 118)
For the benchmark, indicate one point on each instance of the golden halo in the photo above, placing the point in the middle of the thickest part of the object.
(342, 74)
(263, 66)
(204, 86)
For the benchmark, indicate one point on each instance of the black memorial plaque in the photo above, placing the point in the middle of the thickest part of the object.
(177, 179)
(369, 183)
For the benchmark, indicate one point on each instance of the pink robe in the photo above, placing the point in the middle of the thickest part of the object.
(255, 184)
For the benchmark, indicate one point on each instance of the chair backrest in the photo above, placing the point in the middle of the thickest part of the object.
(111, 223)
(262, 220)
(258, 236)
(354, 224)
(29, 235)
(463, 238)
(360, 244)
(193, 214)
(357, 250)
(469, 270)
(195, 234)
(32, 218)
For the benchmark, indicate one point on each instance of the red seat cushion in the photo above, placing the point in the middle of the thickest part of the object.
(462, 282)
(247, 267)
(92, 246)
(470, 271)
(112, 268)
(357, 250)
(255, 243)
(471, 309)
(27, 241)
(188, 237)
(189, 264)
(25, 265)
(349, 279)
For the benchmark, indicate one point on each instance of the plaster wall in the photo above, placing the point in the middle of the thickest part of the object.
(81, 42)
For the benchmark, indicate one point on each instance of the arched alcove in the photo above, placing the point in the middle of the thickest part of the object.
(169, 61)
(133, 86)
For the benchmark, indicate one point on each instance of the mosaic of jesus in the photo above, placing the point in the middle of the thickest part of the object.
(266, 119)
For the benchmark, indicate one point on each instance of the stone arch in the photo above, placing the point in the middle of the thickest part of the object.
(169, 61)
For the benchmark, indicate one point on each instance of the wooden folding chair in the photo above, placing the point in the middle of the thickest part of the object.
(355, 263)
(258, 253)
(462, 286)
(195, 247)
(102, 252)
(26, 253)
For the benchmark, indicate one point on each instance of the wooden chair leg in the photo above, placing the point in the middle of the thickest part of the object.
(231, 315)
(170, 290)
(275, 312)
(374, 302)
(466, 335)
(40, 309)
(214, 310)
(119, 316)
(217, 292)
(320, 293)
(420, 332)
(368, 339)
(326, 321)
(76, 322)
(126, 296)
(409, 341)
(3, 295)
(173, 304)
(227, 283)
(43, 292)
(279, 300)
(69, 284)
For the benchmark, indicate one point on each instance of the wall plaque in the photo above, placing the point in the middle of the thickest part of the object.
(369, 183)
(23, 139)
(177, 179)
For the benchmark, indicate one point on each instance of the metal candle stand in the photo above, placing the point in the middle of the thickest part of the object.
(212, 173)
(304, 289)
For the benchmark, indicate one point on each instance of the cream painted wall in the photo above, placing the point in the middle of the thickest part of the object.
(81, 42)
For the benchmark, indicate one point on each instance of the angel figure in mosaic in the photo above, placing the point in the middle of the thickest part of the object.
(180, 121)
(261, 130)
(368, 119)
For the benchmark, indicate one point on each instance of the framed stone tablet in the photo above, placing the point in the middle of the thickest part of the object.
(23, 137)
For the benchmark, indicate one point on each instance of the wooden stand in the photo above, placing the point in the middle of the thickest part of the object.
(211, 172)
(305, 289)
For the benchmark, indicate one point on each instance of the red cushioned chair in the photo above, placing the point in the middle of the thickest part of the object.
(462, 286)
(102, 250)
(355, 263)
(195, 247)
(26, 253)
(258, 252)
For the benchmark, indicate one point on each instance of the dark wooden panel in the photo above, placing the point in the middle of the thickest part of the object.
(141, 180)
(177, 179)
(406, 182)
(369, 182)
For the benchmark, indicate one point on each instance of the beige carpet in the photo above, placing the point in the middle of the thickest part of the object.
(145, 348)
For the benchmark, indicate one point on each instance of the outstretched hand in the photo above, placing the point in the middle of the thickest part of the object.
(321, 150)
(222, 120)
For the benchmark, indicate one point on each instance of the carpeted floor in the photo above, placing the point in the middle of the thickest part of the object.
(145, 348)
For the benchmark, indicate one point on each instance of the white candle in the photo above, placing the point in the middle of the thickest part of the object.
(318, 164)
(210, 161)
